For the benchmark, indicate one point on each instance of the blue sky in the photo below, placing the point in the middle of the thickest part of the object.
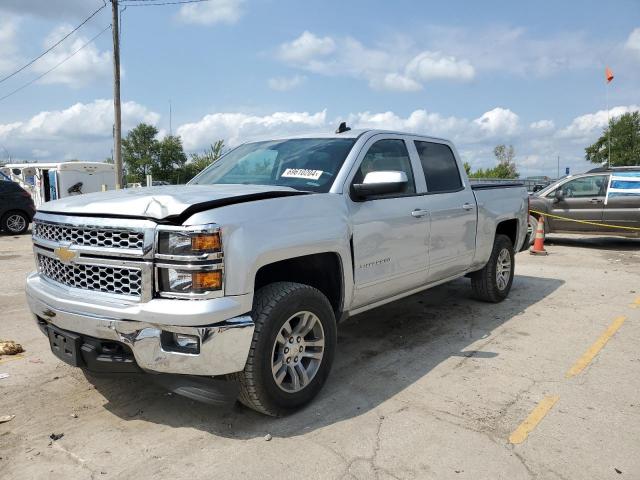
(481, 73)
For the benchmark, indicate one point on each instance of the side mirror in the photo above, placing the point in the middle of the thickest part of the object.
(558, 195)
(380, 183)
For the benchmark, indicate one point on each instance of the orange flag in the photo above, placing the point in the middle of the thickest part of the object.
(608, 74)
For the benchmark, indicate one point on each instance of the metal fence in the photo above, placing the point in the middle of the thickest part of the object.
(529, 183)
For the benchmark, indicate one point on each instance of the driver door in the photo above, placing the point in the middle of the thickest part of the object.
(390, 232)
(582, 199)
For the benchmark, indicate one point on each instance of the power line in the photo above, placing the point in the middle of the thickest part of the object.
(52, 46)
(147, 3)
(55, 66)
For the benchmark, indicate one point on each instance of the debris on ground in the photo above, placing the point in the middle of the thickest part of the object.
(4, 375)
(9, 347)
(268, 437)
(74, 415)
(618, 471)
(56, 436)
(6, 418)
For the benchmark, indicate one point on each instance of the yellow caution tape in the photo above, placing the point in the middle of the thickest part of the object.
(586, 222)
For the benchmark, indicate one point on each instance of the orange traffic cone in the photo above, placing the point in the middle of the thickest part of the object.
(538, 244)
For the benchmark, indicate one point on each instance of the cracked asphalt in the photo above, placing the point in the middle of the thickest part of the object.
(431, 386)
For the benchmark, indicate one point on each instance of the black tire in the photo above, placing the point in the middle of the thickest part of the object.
(9, 220)
(273, 305)
(485, 283)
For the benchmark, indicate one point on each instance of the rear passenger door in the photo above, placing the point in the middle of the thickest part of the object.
(622, 206)
(452, 211)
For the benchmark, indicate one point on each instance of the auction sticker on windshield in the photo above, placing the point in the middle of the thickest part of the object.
(302, 173)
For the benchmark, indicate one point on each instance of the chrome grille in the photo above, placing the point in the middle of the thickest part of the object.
(89, 236)
(117, 280)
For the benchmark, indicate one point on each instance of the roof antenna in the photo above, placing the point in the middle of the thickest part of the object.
(342, 128)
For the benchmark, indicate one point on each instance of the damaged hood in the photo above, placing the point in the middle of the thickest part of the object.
(173, 203)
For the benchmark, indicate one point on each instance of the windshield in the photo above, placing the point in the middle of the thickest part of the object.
(308, 164)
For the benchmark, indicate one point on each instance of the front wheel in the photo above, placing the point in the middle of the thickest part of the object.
(493, 282)
(292, 348)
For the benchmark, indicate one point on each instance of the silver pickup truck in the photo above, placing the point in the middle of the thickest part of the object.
(236, 282)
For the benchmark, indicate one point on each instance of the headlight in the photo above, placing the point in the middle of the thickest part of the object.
(189, 262)
(189, 281)
(188, 243)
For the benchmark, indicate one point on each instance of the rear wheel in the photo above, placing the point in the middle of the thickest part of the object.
(292, 349)
(15, 223)
(493, 282)
(531, 229)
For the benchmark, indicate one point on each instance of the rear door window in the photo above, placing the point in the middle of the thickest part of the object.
(439, 166)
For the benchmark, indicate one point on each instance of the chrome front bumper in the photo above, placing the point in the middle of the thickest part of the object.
(224, 345)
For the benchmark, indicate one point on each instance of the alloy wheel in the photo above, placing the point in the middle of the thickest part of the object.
(297, 351)
(503, 269)
(16, 223)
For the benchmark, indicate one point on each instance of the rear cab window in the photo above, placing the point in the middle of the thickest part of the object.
(439, 166)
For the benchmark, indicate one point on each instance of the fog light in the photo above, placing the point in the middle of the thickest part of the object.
(186, 341)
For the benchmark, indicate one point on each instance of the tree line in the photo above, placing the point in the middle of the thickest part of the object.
(164, 159)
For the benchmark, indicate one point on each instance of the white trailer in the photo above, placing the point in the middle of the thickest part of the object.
(51, 181)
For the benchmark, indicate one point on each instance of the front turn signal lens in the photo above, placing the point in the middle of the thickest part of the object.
(207, 281)
(205, 242)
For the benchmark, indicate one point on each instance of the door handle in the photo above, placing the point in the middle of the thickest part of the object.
(419, 212)
(595, 200)
(468, 206)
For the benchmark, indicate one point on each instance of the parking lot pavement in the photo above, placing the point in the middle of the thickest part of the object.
(544, 385)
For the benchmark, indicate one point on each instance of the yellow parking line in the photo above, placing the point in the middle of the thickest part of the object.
(11, 357)
(593, 350)
(521, 433)
(636, 303)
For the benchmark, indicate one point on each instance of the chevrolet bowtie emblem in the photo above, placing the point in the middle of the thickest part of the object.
(65, 254)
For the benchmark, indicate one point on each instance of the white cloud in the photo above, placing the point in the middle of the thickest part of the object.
(515, 50)
(542, 125)
(283, 84)
(8, 47)
(212, 12)
(305, 49)
(389, 66)
(84, 130)
(418, 121)
(633, 42)
(86, 66)
(499, 121)
(592, 124)
(397, 82)
(239, 127)
(434, 65)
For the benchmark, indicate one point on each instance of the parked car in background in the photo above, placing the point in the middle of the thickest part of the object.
(244, 274)
(584, 197)
(16, 208)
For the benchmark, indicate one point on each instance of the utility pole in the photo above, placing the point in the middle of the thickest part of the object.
(117, 129)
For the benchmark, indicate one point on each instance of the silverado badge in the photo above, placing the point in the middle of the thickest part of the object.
(65, 254)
